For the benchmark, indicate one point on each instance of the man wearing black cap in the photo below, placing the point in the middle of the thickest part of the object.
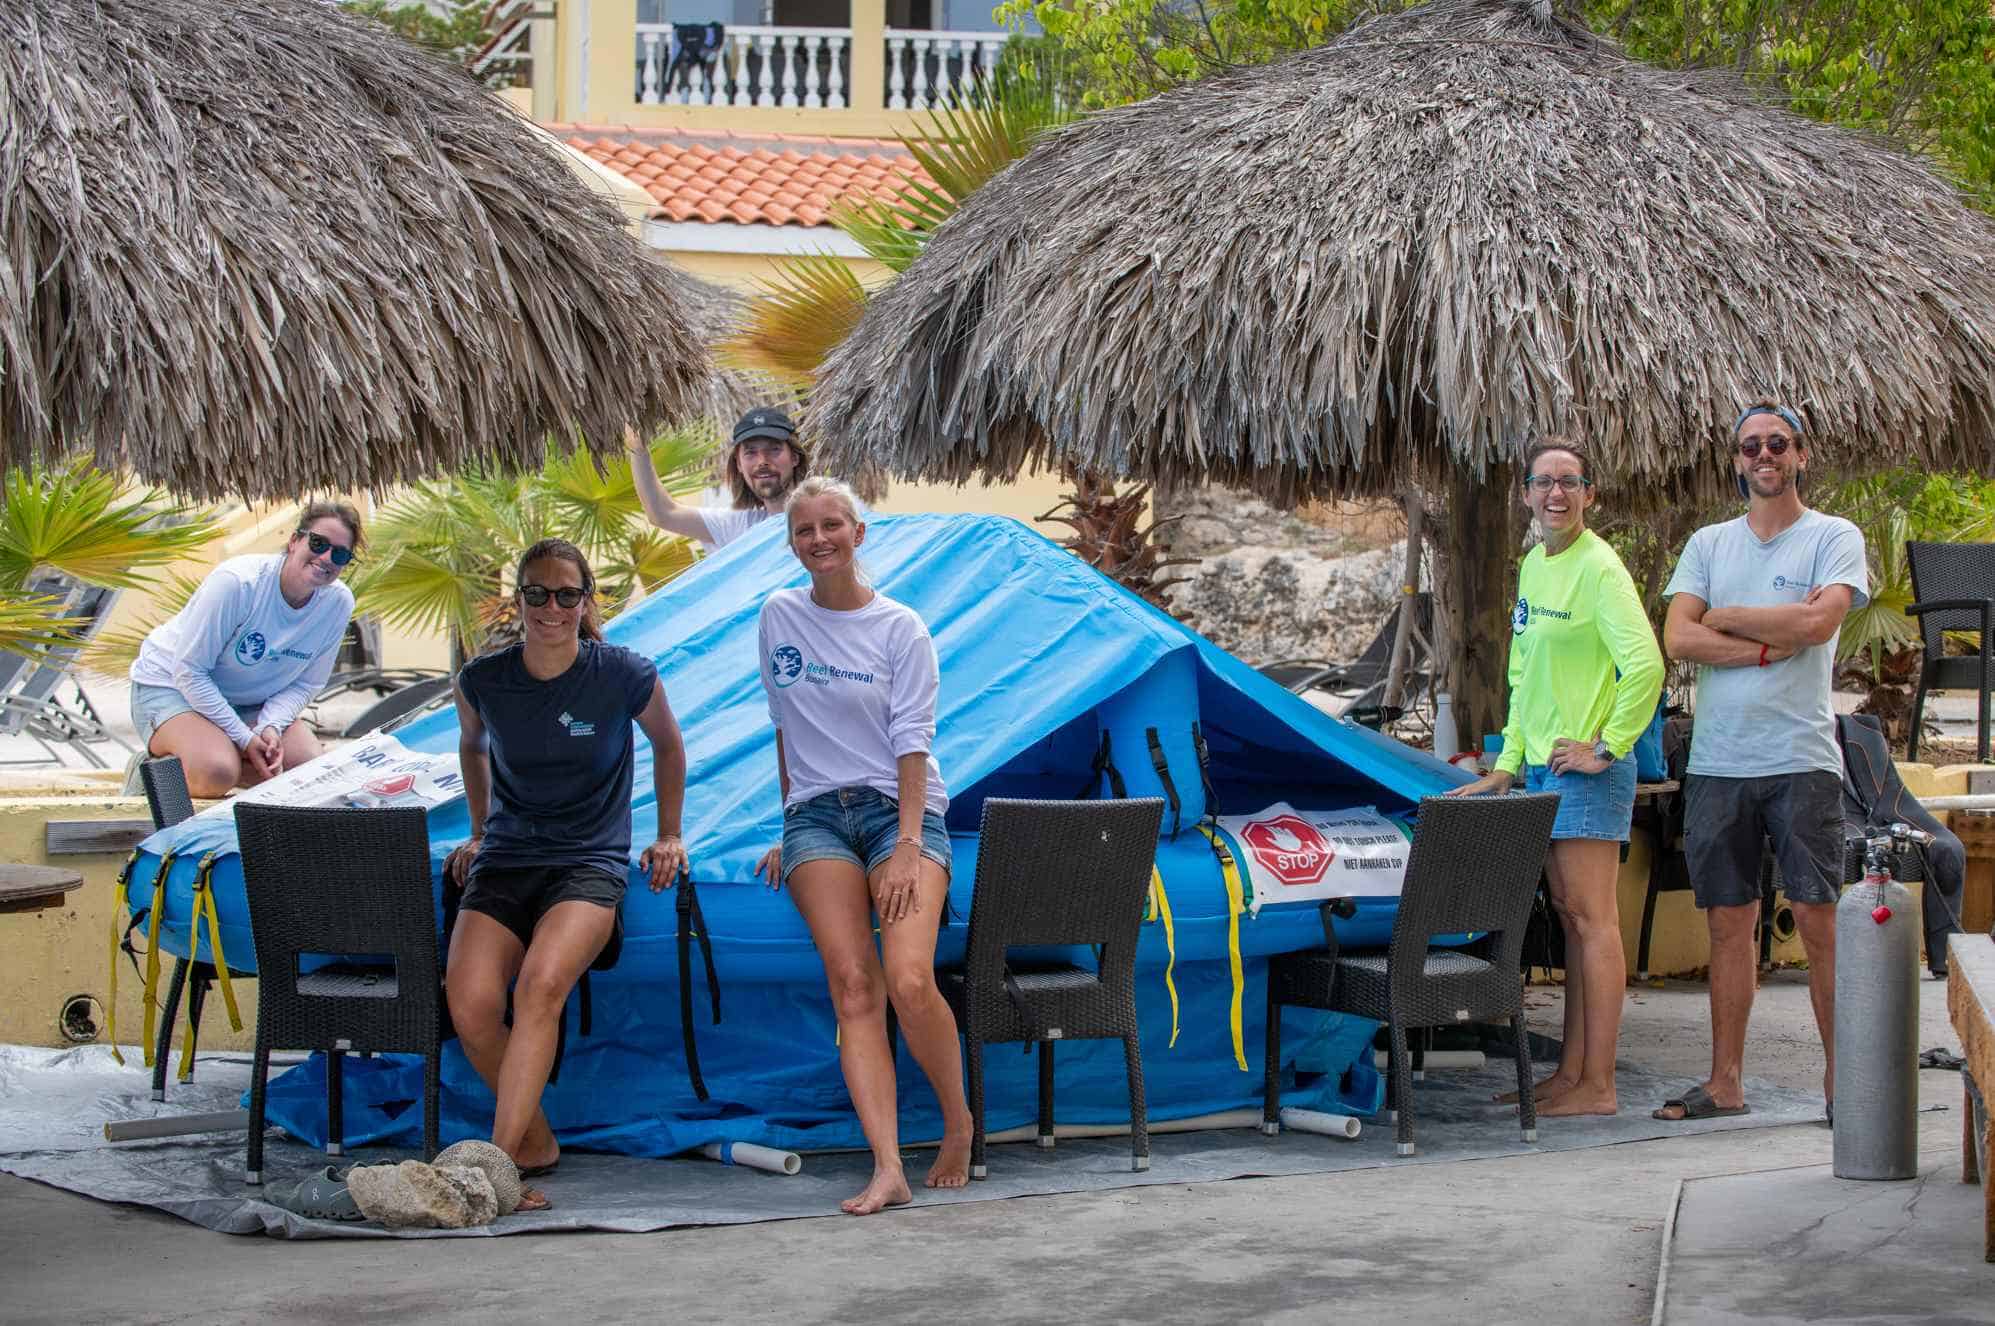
(765, 464)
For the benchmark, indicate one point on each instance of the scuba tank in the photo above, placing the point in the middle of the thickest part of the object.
(1877, 1018)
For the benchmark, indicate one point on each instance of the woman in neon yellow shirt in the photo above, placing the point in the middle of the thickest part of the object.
(1584, 676)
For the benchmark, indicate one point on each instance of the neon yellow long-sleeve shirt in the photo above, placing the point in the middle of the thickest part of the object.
(1578, 620)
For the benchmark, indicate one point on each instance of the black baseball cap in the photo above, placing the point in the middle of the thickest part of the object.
(766, 422)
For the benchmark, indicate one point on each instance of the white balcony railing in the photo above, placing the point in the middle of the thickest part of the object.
(926, 69)
(756, 66)
(808, 67)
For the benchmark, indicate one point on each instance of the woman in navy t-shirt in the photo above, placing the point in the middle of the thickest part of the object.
(546, 751)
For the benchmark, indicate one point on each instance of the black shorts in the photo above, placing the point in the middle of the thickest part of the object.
(1728, 821)
(518, 896)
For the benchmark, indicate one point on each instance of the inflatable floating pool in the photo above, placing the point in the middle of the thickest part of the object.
(1050, 671)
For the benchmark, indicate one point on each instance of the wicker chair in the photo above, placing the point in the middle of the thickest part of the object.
(1473, 867)
(375, 898)
(1056, 873)
(1951, 587)
(165, 784)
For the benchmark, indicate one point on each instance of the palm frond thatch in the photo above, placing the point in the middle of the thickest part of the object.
(1403, 252)
(263, 246)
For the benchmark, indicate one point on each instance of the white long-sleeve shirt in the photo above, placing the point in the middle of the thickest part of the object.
(850, 692)
(238, 643)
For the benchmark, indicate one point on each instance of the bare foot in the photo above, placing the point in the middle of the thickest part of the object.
(888, 1188)
(1580, 1101)
(952, 1161)
(1548, 1089)
(532, 1199)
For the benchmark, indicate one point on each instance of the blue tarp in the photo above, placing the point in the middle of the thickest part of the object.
(1039, 655)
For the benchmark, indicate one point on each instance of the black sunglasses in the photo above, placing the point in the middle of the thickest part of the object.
(1775, 446)
(536, 596)
(321, 546)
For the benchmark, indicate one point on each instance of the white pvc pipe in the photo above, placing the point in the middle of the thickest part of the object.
(1978, 801)
(1434, 1059)
(175, 1125)
(1326, 1125)
(750, 1156)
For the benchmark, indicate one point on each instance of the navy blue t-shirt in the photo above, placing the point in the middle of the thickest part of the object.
(561, 753)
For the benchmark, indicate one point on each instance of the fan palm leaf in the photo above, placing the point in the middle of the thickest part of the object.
(810, 305)
(80, 522)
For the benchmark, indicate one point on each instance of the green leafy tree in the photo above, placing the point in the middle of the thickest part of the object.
(457, 31)
(441, 555)
(76, 523)
(1921, 72)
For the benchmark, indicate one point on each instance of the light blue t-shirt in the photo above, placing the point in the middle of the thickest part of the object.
(1758, 722)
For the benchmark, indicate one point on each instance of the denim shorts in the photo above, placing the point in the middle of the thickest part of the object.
(153, 705)
(1599, 806)
(856, 824)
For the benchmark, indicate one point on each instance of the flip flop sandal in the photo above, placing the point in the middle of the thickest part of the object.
(1696, 1103)
(1940, 1057)
(319, 1196)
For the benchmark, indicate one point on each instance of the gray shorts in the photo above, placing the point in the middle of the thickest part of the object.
(1727, 823)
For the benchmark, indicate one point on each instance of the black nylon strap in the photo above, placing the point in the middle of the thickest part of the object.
(1204, 770)
(1163, 768)
(1103, 764)
(691, 922)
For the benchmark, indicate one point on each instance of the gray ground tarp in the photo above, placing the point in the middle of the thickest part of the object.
(53, 1105)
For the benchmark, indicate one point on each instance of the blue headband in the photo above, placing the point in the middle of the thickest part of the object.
(1788, 416)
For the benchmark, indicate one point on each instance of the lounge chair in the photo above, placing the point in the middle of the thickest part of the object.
(1361, 682)
(30, 689)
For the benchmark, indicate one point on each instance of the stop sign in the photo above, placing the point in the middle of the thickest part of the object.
(1289, 848)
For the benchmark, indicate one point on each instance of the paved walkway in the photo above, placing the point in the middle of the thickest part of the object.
(1569, 1237)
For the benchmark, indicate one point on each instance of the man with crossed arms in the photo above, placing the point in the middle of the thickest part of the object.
(1756, 603)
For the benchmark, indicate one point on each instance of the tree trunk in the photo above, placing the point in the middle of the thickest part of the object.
(1478, 577)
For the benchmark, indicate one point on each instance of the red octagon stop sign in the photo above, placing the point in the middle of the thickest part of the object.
(1289, 848)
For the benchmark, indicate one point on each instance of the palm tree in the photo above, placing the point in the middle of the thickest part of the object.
(440, 555)
(815, 301)
(77, 524)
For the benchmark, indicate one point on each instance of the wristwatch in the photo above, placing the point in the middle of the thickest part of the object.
(1601, 751)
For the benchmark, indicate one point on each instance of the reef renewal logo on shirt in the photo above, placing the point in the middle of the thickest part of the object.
(251, 648)
(1520, 618)
(786, 664)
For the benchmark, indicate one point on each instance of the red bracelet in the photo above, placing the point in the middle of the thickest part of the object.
(1762, 655)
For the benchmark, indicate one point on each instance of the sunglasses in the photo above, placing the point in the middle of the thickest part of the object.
(536, 596)
(1566, 483)
(1775, 446)
(321, 546)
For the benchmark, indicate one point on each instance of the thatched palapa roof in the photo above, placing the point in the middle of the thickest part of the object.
(262, 246)
(1404, 251)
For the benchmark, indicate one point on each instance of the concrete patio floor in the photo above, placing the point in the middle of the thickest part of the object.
(1571, 1236)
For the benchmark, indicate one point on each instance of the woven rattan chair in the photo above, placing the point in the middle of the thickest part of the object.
(1473, 867)
(1952, 584)
(166, 795)
(329, 881)
(1056, 873)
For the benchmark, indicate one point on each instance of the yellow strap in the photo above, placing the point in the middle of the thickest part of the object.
(1230, 872)
(1160, 908)
(152, 953)
(120, 903)
(204, 904)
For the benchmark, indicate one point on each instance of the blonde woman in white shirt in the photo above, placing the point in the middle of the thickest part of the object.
(221, 683)
(851, 678)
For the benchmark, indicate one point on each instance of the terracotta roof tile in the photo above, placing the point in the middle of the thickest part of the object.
(747, 179)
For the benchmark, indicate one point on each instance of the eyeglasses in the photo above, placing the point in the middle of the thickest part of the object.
(536, 596)
(1566, 483)
(321, 545)
(1775, 446)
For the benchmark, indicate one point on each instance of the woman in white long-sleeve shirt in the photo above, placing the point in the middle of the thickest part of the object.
(852, 679)
(221, 683)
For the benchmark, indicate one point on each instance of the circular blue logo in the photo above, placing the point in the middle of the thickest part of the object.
(786, 664)
(1780, 582)
(1520, 618)
(251, 648)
